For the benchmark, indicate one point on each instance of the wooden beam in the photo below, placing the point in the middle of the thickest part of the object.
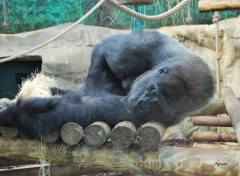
(78, 159)
(212, 121)
(233, 108)
(213, 136)
(218, 5)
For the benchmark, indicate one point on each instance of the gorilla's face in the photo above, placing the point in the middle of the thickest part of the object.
(160, 94)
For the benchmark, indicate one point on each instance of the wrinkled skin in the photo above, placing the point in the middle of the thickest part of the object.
(138, 77)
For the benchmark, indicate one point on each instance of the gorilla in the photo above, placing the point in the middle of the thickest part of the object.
(139, 77)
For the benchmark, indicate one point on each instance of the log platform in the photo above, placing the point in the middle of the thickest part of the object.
(73, 150)
(23, 157)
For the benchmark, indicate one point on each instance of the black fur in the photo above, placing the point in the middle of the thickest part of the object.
(138, 77)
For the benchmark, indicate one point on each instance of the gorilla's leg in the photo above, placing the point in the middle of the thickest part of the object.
(38, 116)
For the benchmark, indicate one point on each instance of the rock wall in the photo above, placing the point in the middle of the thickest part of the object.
(68, 58)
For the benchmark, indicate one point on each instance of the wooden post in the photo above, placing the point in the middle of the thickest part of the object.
(233, 108)
(218, 5)
(212, 121)
(213, 136)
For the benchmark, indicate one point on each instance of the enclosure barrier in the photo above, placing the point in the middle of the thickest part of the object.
(233, 108)
(232, 105)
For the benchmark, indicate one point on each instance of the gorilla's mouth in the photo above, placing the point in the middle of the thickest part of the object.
(149, 106)
(145, 107)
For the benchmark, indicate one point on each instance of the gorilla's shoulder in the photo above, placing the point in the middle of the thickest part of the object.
(139, 38)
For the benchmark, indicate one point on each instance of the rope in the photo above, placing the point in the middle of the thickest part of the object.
(5, 23)
(55, 37)
(146, 17)
(189, 18)
(216, 18)
(116, 4)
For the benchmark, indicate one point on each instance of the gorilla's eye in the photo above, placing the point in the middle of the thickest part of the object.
(166, 94)
(162, 70)
(124, 77)
(152, 90)
(153, 93)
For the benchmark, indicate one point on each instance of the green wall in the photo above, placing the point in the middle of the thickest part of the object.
(28, 15)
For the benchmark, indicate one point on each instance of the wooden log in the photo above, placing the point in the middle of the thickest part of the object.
(51, 137)
(150, 135)
(96, 134)
(218, 5)
(9, 132)
(218, 146)
(211, 121)
(213, 136)
(123, 135)
(80, 159)
(233, 108)
(71, 133)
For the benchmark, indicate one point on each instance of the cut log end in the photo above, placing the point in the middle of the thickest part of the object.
(150, 135)
(123, 135)
(8, 132)
(71, 133)
(96, 134)
(51, 137)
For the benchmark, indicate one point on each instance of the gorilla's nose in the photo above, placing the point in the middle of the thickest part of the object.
(139, 105)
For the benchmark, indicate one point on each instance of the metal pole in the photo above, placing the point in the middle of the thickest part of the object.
(5, 23)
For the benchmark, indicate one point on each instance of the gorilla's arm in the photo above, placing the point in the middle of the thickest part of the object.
(118, 60)
(38, 116)
(58, 91)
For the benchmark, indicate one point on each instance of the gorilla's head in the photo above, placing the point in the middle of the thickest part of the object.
(170, 92)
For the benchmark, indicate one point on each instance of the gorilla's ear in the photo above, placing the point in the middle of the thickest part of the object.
(162, 70)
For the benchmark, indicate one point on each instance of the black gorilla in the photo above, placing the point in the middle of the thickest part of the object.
(137, 77)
